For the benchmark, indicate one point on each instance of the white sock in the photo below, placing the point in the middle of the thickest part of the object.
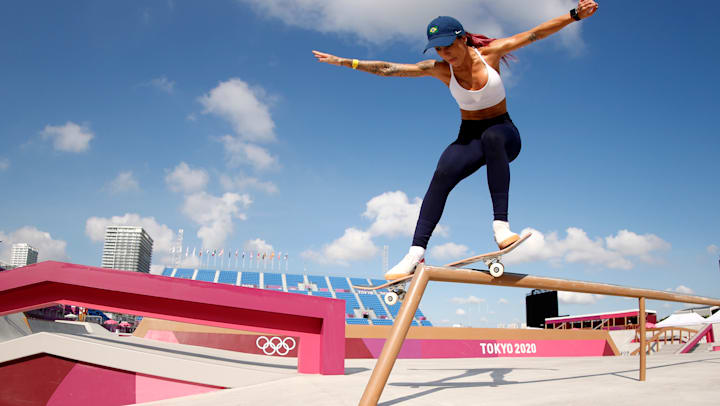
(417, 251)
(500, 226)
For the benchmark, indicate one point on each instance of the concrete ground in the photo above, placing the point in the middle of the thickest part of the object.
(690, 379)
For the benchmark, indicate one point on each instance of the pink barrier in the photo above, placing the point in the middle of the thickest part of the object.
(318, 322)
(705, 332)
(424, 348)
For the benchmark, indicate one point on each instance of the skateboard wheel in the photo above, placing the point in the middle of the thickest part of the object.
(391, 298)
(497, 269)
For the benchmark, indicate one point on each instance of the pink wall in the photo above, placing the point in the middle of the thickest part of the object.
(491, 348)
(54, 381)
(318, 322)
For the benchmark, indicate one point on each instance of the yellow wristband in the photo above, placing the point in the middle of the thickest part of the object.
(355, 63)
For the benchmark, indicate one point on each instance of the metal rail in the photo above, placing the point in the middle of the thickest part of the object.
(425, 273)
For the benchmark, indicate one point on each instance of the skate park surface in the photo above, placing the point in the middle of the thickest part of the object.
(689, 379)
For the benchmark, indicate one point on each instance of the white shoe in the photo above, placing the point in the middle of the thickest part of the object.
(503, 236)
(407, 265)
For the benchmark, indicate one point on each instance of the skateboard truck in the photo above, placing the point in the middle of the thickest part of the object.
(395, 294)
(495, 267)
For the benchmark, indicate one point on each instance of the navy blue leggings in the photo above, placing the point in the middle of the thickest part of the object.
(494, 142)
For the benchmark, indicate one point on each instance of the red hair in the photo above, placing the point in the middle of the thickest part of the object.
(479, 41)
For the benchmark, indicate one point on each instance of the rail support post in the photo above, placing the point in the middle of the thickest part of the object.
(643, 343)
(399, 331)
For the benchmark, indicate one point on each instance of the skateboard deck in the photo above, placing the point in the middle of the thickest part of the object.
(386, 284)
(489, 255)
(491, 259)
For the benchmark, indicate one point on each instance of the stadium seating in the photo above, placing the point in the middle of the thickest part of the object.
(273, 281)
(359, 281)
(342, 287)
(358, 321)
(339, 284)
(319, 281)
(293, 281)
(351, 302)
(184, 273)
(371, 301)
(250, 279)
(228, 277)
(205, 275)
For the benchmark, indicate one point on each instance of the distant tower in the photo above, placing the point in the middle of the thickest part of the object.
(23, 254)
(128, 248)
(177, 252)
(385, 258)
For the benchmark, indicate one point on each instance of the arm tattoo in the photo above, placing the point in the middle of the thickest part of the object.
(395, 69)
(533, 37)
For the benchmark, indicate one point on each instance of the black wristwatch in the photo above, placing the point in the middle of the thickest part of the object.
(574, 15)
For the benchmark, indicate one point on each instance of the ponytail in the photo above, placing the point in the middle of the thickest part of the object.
(479, 41)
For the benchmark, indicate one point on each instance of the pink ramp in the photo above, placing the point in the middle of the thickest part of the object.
(318, 322)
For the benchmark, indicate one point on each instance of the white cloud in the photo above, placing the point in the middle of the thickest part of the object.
(69, 138)
(449, 250)
(190, 261)
(163, 237)
(49, 249)
(4, 164)
(244, 107)
(124, 182)
(377, 21)
(713, 249)
(460, 312)
(628, 243)
(258, 245)
(392, 214)
(468, 300)
(186, 180)
(683, 289)
(242, 182)
(162, 83)
(354, 245)
(577, 298)
(613, 252)
(215, 215)
(239, 152)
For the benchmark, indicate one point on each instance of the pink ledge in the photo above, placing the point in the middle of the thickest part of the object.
(317, 321)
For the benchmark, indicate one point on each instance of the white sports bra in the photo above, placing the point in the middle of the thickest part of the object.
(491, 94)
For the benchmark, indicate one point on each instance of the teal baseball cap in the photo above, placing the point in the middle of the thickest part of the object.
(443, 31)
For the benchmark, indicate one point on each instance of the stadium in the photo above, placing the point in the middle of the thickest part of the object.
(221, 337)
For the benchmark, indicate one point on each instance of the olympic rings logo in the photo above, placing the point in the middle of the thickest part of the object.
(275, 345)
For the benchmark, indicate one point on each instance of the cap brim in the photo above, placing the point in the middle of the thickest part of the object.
(440, 41)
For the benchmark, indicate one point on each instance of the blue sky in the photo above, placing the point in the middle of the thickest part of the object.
(215, 118)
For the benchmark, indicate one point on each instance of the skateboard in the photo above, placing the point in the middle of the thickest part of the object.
(491, 259)
(397, 288)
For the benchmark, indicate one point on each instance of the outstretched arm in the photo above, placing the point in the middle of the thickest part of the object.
(502, 46)
(380, 68)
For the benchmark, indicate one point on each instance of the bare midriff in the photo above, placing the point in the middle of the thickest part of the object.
(484, 114)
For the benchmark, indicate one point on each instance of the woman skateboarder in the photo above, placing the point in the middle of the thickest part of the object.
(470, 68)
